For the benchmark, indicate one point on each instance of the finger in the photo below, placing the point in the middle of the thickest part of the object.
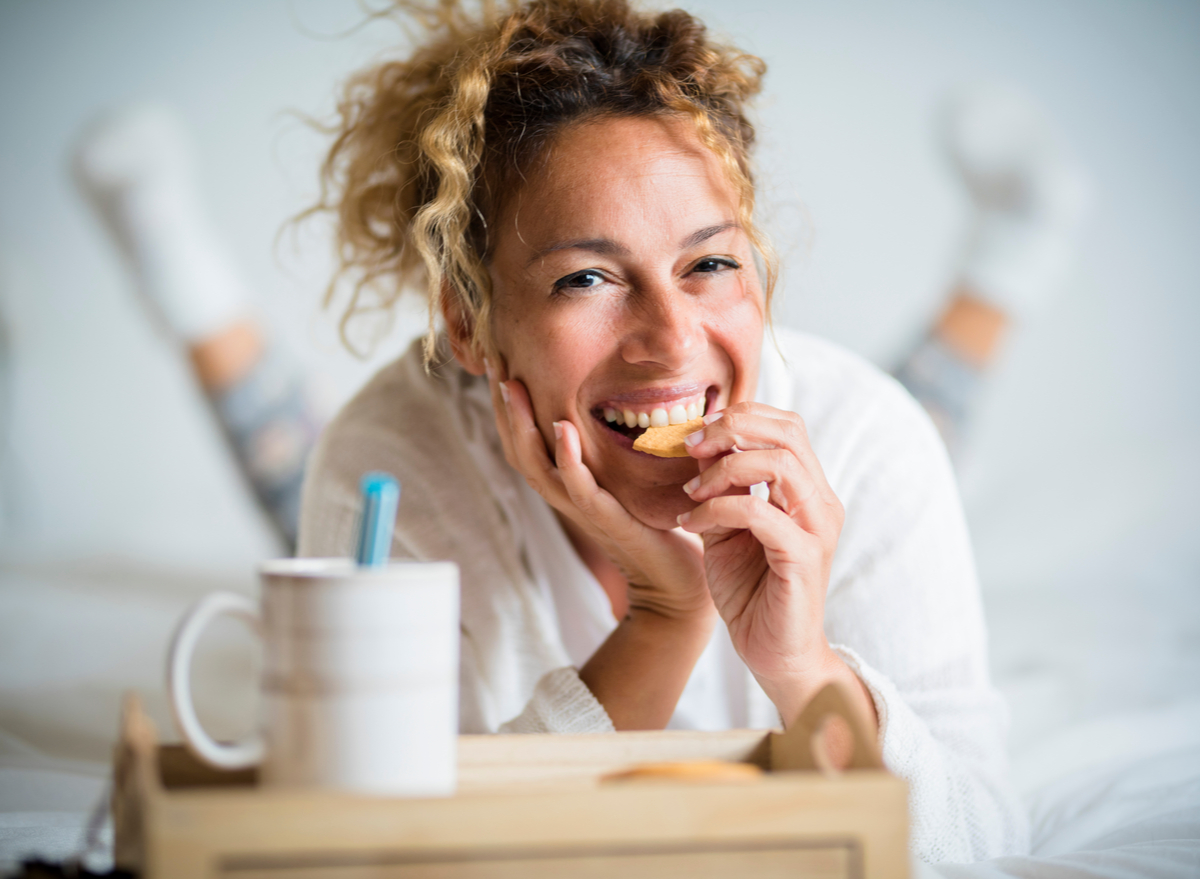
(741, 471)
(791, 487)
(784, 542)
(598, 507)
(753, 407)
(636, 548)
(499, 393)
(755, 426)
(762, 428)
(529, 448)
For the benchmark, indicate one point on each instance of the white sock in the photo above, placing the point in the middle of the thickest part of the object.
(1030, 197)
(137, 170)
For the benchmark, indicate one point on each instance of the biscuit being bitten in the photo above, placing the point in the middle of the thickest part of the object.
(667, 442)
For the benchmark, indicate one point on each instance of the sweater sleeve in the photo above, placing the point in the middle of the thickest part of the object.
(561, 703)
(945, 745)
(904, 611)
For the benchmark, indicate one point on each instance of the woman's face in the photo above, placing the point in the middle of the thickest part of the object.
(622, 281)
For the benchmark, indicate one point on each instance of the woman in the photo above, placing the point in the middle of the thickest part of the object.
(573, 179)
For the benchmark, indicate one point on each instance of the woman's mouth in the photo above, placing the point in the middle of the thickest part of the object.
(630, 419)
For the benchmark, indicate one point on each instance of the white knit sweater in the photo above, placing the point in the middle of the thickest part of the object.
(903, 607)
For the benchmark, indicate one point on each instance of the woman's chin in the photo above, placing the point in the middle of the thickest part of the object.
(658, 507)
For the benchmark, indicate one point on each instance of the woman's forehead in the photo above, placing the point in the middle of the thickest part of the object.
(621, 181)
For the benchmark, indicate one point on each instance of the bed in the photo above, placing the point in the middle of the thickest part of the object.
(1104, 688)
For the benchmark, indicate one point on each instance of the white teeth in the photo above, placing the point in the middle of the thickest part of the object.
(659, 417)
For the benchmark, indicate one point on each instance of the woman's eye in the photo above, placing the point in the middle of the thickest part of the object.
(579, 280)
(714, 264)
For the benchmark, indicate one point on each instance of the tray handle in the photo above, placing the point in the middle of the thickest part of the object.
(802, 745)
(135, 783)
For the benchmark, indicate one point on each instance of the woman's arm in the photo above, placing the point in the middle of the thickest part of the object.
(904, 609)
(905, 612)
(767, 574)
(639, 672)
(768, 560)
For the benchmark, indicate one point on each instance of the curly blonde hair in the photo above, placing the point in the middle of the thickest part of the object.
(428, 147)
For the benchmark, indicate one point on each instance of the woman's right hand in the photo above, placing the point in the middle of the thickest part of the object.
(665, 569)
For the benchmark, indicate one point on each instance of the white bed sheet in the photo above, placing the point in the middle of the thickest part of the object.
(1116, 798)
(73, 639)
(45, 804)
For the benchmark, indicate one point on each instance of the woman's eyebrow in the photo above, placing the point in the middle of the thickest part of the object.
(608, 247)
(702, 235)
(604, 246)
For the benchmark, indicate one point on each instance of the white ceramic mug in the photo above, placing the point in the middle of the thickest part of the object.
(360, 680)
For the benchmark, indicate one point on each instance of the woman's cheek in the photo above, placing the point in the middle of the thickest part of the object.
(741, 319)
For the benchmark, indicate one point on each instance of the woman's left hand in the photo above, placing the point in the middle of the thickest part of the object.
(768, 562)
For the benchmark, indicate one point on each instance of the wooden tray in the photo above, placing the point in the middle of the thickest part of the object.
(528, 807)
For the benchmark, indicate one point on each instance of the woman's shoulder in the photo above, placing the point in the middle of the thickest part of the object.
(867, 431)
(821, 370)
(835, 389)
(388, 415)
(403, 421)
(883, 458)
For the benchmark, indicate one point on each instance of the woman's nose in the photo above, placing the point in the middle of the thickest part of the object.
(667, 329)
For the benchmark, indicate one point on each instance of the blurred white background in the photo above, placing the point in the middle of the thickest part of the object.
(1083, 483)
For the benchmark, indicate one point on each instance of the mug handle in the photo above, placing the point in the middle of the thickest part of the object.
(238, 755)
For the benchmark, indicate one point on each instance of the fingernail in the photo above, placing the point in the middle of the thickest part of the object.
(558, 430)
(691, 484)
(693, 438)
(504, 392)
(683, 518)
(487, 367)
(713, 416)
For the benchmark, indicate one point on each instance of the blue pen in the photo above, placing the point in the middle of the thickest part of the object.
(380, 497)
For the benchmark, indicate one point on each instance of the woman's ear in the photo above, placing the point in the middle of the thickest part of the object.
(459, 331)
